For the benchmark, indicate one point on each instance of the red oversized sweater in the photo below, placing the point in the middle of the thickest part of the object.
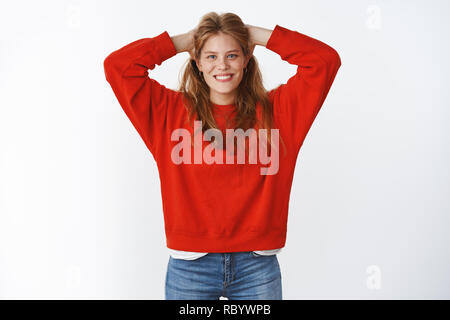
(222, 207)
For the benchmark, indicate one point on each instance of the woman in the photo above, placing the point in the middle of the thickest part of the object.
(225, 212)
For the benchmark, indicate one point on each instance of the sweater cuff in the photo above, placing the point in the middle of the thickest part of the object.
(165, 48)
(275, 39)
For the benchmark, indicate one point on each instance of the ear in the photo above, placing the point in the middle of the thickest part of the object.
(252, 48)
(247, 59)
(197, 63)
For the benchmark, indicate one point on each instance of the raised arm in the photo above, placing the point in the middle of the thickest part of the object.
(144, 100)
(298, 101)
(183, 42)
(259, 35)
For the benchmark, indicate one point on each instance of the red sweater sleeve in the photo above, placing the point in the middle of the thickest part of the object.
(299, 100)
(144, 100)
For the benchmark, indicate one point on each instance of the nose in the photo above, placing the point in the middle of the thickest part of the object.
(222, 63)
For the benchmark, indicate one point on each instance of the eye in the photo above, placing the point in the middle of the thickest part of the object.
(213, 55)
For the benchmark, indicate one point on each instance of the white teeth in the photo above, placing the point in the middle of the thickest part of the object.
(223, 77)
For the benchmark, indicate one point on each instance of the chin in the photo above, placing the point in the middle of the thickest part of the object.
(224, 90)
(221, 90)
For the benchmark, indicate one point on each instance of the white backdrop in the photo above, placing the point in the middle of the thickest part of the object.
(80, 202)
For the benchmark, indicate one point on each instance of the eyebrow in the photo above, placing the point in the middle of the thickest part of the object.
(235, 50)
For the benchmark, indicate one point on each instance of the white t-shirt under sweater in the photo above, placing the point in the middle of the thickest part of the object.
(188, 255)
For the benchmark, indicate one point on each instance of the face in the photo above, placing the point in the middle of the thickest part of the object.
(222, 55)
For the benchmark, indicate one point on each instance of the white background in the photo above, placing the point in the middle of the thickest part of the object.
(80, 202)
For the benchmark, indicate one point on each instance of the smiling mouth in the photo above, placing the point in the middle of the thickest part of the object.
(224, 78)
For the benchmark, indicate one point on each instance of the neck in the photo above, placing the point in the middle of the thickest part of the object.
(222, 99)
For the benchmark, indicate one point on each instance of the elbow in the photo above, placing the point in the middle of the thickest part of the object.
(332, 61)
(109, 67)
(335, 59)
(108, 63)
(332, 58)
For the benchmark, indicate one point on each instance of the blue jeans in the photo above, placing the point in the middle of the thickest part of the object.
(235, 275)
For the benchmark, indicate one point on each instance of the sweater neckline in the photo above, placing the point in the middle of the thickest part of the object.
(223, 106)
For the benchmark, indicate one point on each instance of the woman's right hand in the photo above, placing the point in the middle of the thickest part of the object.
(185, 42)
